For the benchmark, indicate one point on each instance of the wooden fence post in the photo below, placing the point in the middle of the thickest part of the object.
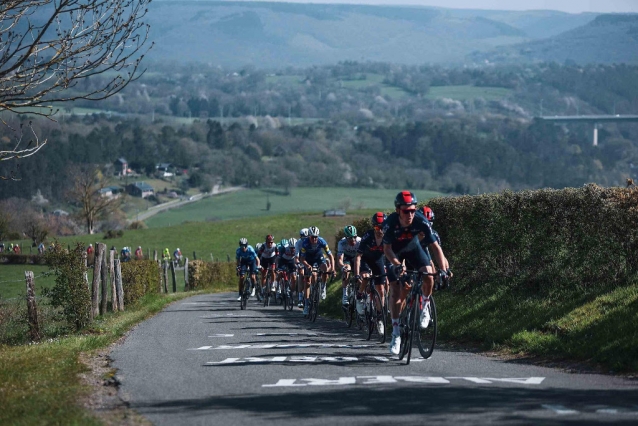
(194, 255)
(105, 287)
(86, 270)
(227, 257)
(148, 255)
(173, 277)
(112, 275)
(155, 255)
(212, 259)
(186, 287)
(118, 285)
(32, 308)
(95, 286)
(165, 276)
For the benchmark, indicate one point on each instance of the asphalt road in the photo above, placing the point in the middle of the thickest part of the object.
(204, 361)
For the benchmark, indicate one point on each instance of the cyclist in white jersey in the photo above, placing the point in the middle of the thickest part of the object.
(268, 259)
(303, 234)
(346, 253)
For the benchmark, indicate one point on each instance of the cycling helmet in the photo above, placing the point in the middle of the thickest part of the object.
(350, 231)
(405, 198)
(258, 246)
(292, 242)
(284, 243)
(243, 242)
(378, 218)
(303, 232)
(313, 231)
(428, 213)
(270, 238)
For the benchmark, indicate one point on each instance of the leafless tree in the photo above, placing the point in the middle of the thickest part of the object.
(50, 48)
(35, 226)
(88, 182)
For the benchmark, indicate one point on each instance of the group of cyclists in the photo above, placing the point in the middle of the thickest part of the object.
(401, 241)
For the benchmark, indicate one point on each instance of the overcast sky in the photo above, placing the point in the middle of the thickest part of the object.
(571, 6)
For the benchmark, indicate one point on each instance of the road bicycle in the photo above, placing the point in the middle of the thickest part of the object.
(267, 289)
(245, 294)
(375, 311)
(349, 310)
(409, 320)
(286, 291)
(315, 291)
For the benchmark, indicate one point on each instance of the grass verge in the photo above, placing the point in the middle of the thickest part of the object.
(40, 384)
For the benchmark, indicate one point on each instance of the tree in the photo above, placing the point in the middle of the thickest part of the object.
(87, 183)
(34, 226)
(49, 49)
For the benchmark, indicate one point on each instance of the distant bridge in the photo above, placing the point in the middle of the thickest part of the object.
(595, 119)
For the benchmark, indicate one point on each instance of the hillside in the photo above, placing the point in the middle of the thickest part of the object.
(269, 35)
(607, 39)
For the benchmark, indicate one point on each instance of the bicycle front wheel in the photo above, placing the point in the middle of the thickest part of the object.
(378, 316)
(267, 291)
(426, 337)
(314, 303)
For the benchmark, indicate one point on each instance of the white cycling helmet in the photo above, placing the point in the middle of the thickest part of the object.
(258, 246)
(313, 231)
(292, 242)
(303, 232)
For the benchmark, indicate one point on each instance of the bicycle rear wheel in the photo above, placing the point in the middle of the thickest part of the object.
(412, 326)
(267, 291)
(404, 330)
(426, 338)
(379, 316)
(314, 302)
(245, 293)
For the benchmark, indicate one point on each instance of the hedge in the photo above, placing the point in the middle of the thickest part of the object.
(576, 237)
(140, 277)
(22, 259)
(202, 275)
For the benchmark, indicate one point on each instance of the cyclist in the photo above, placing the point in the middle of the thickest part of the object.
(371, 260)
(286, 262)
(268, 257)
(312, 253)
(401, 243)
(303, 234)
(246, 258)
(346, 252)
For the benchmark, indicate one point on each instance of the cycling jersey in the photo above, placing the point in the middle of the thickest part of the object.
(372, 256)
(405, 239)
(247, 255)
(314, 252)
(348, 251)
(286, 253)
(266, 252)
(298, 245)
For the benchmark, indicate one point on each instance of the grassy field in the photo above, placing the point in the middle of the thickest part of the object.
(252, 203)
(462, 93)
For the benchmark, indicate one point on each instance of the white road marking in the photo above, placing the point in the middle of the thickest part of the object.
(560, 409)
(488, 380)
(283, 346)
(297, 358)
(227, 316)
(222, 335)
(375, 380)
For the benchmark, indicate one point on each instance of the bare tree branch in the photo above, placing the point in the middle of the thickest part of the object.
(88, 181)
(49, 47)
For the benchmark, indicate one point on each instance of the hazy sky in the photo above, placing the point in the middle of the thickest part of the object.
(571, 6)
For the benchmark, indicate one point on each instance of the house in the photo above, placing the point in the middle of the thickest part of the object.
(60, 212)
(163, 170)
(140, 189)
(121, 166)
(110, 191)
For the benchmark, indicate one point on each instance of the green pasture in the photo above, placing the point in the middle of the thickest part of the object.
(253, 203)
(462, 93)
(219, 238)
(12, 283)
(374, 80)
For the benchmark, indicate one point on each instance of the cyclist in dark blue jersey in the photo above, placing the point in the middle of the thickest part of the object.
(312, 253)
(246, 258)
(401, 244)
(370, 260)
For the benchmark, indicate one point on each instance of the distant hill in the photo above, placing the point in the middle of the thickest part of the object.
(275, 35)
(607, 39)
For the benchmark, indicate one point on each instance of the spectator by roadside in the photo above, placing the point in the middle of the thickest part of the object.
(177, 256)
(16, 249)
(1, 246)
(139, 254)
(41, 248)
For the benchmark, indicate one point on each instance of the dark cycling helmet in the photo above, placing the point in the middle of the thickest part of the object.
(378, 218)
(313, 231)
(405, 198)
(350, 231)
(428, 213)
(243, 242)
(270, 238)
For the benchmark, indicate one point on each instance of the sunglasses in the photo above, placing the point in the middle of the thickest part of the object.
(351, 238)
(314, 237)
(243, 245)
(408, 211)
